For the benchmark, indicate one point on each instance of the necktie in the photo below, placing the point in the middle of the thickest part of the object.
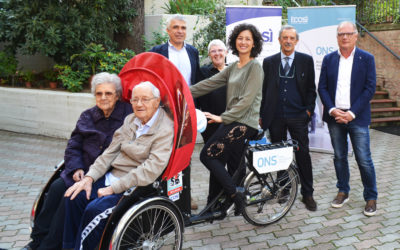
(287, 67)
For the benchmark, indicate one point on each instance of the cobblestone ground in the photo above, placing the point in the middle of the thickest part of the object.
(26, 162)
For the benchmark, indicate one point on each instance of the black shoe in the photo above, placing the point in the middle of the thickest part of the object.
(310, 203)
(32, 245)
(239, 200)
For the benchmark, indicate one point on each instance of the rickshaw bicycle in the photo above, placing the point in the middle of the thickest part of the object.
(154, 217)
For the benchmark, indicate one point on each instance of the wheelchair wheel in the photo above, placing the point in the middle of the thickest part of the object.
(270, 196)
(156, 225)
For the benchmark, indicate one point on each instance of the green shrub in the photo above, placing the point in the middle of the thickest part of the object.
(8, 66)
(190, 7)
(94, 59)
(59, 29)
(214, 30)
(72, 80)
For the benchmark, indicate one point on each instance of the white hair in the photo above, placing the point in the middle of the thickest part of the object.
(347, 22)
(175, 17)
(154, 89)
(105, 77)
(216, 42)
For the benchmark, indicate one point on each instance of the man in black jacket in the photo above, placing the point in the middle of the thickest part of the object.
(288, 103)
(184, 56)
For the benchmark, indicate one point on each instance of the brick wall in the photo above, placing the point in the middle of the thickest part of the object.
(387, 66)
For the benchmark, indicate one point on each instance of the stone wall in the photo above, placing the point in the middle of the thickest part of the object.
(43, 112)
(387, 66)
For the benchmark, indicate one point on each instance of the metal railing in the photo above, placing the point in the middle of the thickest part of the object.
(363, 29)
(378, 11)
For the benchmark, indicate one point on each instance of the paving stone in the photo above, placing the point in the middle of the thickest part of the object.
(389, 238)
(300, 244)
(261, 238)
(306, 235)
(326, 238)
(281, 241)
(367, 244)
(392, 245)
(345, 241)
(311, 227)
(324, 246)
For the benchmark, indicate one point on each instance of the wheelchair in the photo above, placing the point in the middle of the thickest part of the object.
(155, 216)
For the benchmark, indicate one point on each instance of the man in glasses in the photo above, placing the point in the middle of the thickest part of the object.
(346, 86)
(288, 103)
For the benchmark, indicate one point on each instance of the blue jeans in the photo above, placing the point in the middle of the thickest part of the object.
(359, 136)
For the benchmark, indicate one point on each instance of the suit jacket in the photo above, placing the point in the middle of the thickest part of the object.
(305, 82)
(193, 57)
(362, 85)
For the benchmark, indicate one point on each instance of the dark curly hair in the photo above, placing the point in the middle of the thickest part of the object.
(257, 38)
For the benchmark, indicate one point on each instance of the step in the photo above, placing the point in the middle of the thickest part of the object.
(385, 112)
(379, 94)
(385, 121)
(383, 103)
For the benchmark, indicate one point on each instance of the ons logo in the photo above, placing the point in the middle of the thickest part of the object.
(299, 19)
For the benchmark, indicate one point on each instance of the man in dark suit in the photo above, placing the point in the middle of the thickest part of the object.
(346, 86)
(288, 103)
(184, 56)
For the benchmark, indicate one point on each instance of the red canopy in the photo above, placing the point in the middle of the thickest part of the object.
(175, 97)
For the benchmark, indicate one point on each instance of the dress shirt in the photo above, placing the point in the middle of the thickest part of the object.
(342, 97)
(180, 59)
(290, 61)
(141, 130)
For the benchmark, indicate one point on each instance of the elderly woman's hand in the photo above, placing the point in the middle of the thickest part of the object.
(78, 175)
(213, 118)
(84, 184)
(105, 191)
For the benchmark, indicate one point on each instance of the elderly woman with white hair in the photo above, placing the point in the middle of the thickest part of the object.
(91, 136)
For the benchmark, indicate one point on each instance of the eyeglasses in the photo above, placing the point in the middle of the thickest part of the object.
(101, 94)
(214, 51)
(143, 100)
(348, 34)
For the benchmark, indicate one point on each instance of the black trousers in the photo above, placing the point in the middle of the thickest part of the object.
(298, 130)
(47, 232)
(225, 147)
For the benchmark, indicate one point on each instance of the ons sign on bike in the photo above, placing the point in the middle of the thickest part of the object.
(272, 160)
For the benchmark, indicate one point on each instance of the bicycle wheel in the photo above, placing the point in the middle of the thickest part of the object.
(157, 225)
(271, 196)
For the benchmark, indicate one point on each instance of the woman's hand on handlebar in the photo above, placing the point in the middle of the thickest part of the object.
(213, 118)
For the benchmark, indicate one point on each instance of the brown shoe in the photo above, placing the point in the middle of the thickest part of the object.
(340, 199)
(370, 208)
(193, 204)
(310, 203)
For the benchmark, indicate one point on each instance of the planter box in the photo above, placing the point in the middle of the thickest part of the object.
(42, 112)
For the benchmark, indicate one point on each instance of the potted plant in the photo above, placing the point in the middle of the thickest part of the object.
(51, 77)
(28, 77)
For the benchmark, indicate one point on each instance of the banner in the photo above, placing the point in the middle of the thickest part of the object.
(268, 21)
(316, 27)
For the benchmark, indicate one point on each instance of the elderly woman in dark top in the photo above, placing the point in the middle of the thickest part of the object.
(243, 80)
(91, 136)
